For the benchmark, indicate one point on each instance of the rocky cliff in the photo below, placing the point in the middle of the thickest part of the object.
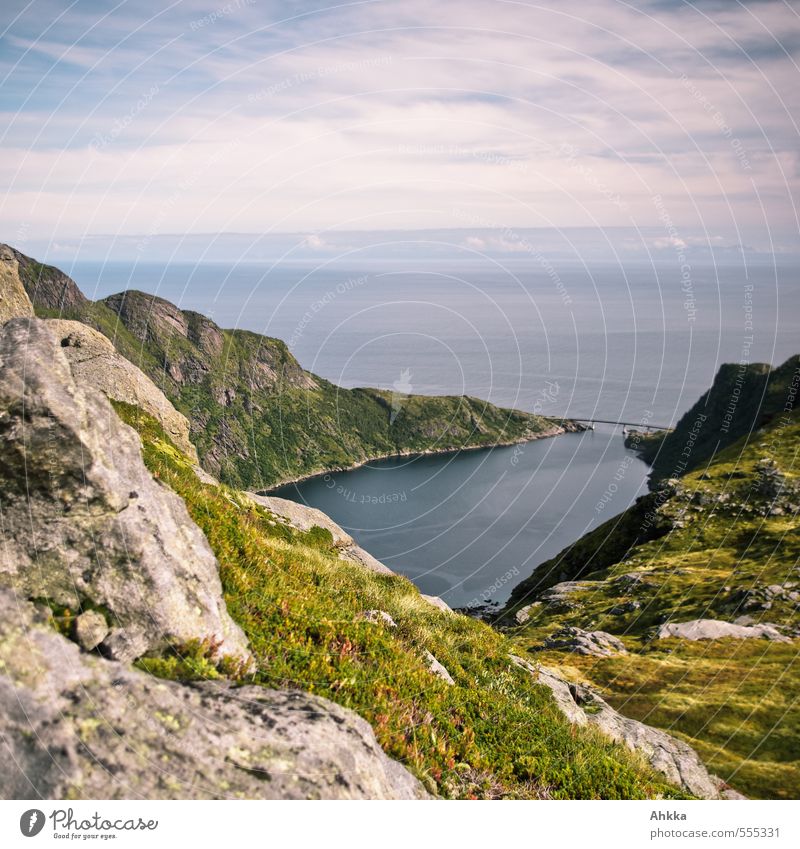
(14, 300)
(85, 526)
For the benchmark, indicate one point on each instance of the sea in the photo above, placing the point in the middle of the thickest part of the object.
(635, 343)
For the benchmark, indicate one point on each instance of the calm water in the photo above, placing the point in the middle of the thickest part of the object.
(468, 527)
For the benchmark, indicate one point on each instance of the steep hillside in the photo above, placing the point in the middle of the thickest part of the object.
(718, 548)
(291, 664)
(257, 417)
(743, 398)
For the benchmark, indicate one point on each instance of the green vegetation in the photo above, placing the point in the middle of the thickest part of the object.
(742, 399)
(258, 419)
(719, 543)
(494, 733)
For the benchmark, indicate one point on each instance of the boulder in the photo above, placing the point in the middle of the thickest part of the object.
(714, 629)
(85, 525)
(559, 597)
(76, 725)
(14, 300)
(673, 758)
(594, 643)
(304, 518)
(523, 615)
(95, 362)
(437, 668)
(377, 617)
(91, 629)
(438, 602)
(356, 554)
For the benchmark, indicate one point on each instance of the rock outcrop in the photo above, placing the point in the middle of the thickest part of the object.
(14, 300)
(714, 629)
(673, 758)
(75, 725)
(95, 362)
(305, 518)
(47, 287)
(84, 523)
(593, 643)
(437, 668)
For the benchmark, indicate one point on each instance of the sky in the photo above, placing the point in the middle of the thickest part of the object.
(130, 125)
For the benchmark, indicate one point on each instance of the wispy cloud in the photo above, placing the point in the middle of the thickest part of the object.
(267, 116)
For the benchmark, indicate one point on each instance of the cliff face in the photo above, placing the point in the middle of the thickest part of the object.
(742, 399)
(84, 523)
(256, 416)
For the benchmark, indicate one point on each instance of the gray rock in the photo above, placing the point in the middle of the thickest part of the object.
(76, 725)
(204, 477)
(83, 519)
(523, 615)
(438, 602)
(95, 362)
(304, 518)
(559, 596)
(14, 300)
(594, 643)
(558, 687)
(632, 581)
(356, 554)
(377, 617)
(673, 758)
(91, 629)
(437, 669)
(714, 629)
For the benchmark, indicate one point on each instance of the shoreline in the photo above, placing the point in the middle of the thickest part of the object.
(558, 430)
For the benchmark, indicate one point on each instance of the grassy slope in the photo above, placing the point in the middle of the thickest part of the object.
(737, 702)
(263, 434)
(493, 734)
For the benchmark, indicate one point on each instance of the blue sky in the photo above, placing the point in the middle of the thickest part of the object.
(125, 122)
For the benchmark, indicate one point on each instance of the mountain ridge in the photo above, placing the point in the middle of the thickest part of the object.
(257, 418)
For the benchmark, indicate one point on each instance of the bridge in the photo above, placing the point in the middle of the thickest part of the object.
(638, 425)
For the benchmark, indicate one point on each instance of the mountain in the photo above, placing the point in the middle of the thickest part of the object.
(257, 418)
(743, 398)
(684, 610)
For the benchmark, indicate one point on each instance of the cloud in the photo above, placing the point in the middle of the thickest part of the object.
(399, 114)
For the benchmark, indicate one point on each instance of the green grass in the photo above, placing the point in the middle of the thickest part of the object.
(721, 543)
(493, 734)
